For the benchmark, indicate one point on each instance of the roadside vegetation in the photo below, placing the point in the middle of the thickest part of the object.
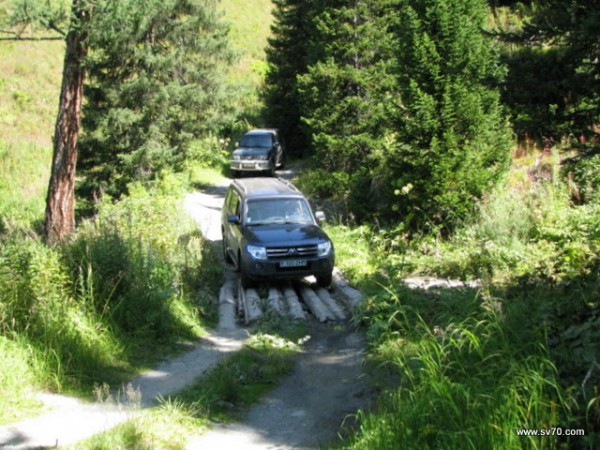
(418, 173)
(235, 383)
(477, 364)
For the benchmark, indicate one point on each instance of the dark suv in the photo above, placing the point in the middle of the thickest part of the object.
(270, 232)
(258, 150)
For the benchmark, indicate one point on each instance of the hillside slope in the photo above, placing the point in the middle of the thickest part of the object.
(30, 78)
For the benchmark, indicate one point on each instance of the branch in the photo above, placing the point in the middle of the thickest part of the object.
(41, 38)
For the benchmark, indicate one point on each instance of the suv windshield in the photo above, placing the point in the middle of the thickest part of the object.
(256, 140)
(278, 211)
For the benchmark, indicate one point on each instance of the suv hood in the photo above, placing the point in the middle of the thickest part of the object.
(249, 151)
(289, 235)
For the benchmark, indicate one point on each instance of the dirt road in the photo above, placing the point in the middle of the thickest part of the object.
(307, 410)
(318, 401)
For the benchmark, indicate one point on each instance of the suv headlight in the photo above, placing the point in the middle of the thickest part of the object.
(262, 156)
(324, 248)
(257, 252)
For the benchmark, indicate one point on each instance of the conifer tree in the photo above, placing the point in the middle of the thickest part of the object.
(452, 137)
(287, 58)
(347, 93)
(155, 87)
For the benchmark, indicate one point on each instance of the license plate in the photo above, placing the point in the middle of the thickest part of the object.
(293, 263)
(248, 166)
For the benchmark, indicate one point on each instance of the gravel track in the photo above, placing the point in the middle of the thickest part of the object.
(307, 410)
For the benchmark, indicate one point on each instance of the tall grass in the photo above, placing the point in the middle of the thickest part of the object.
(122, 293)
(473, 367)
(467, 382)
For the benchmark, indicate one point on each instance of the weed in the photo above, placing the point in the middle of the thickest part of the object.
(240, 379)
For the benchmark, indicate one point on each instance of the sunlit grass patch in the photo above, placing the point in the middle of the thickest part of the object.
(17, 380)
(241, 379)
(466, 379)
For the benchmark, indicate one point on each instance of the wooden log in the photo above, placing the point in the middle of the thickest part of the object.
(330, 303)
(227, 305)
(250, 301)
(354, 297)
(293, 303)
(275, 301)
(316, 306)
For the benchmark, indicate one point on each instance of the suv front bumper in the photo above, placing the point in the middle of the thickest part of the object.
(277, 269)
(250, 165)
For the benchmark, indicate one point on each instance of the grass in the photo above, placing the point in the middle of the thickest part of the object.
(115, 300)
(249, 29)
(28, 100)
(236, 382)
(86, 312)
(473, 366)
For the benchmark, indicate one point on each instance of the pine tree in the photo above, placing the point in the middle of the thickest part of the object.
(155, 87)
(452, 137)
(60, 200)
(287, 58)
(347, 93)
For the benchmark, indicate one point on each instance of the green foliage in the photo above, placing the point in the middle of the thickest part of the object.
(120, 294)
(400, 103)
(533, 232)
(534, 92)
(241, 379)
(467, 379)
(287, 58)
(347, 89)
(18, 373)
(66, 339)
(451, 140)
(155, 90)
(139, 263)
(584, 175)
(520, 351)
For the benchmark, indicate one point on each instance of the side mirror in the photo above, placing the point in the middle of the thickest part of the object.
(233, 219)
(320, 215)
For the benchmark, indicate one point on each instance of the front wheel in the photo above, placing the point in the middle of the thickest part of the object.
(247, 282)
(226, 256)
(324, 280)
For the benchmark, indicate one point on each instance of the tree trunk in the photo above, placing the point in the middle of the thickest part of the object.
(60, 201)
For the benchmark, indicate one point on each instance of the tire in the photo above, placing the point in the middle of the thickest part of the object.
(238, 263)
(325, 279)
(226, 256)
(247, 282)
(271, 170)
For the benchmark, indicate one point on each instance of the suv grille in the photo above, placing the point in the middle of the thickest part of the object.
(247, 157)
(293, 252)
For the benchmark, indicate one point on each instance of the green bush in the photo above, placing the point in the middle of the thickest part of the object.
(121, 292)
(139, 262)
(64, 335)
(467, 376)
(584, 174)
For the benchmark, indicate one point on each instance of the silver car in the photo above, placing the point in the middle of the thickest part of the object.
(259, 150)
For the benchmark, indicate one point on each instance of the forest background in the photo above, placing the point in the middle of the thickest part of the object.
(444, 137)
